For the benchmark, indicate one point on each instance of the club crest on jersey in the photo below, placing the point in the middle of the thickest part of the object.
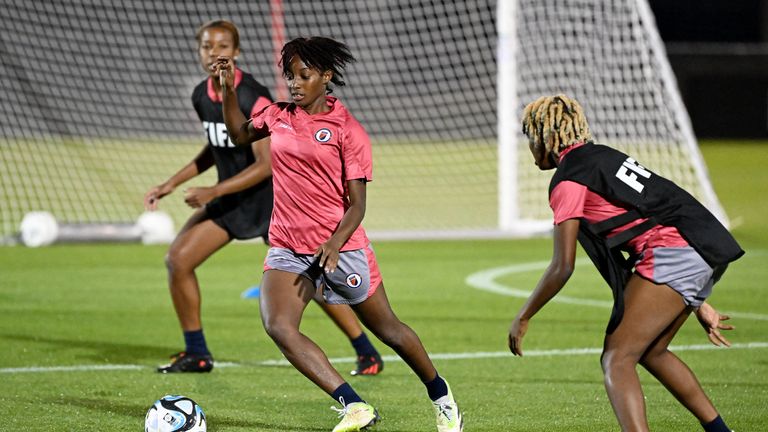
(354, 280)
(323, 135)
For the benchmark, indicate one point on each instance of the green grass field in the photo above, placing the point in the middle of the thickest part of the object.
(82, 327)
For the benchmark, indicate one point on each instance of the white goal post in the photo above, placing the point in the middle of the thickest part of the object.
(609, 56)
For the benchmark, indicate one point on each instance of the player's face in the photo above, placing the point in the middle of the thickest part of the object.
(216, 42)
(307, 85)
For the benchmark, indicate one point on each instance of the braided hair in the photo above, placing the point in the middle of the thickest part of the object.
(321, 53)
(554, 123)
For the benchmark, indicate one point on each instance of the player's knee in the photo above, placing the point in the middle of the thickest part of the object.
(608, 363)
(175, 262)
(394, 336)
(613, 359)
(652, 357)
(280, 331)
(169, 262)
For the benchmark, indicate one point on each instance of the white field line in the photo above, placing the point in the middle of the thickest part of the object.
(74, 368)
(485, 280)
(532, 353)
(351, 360)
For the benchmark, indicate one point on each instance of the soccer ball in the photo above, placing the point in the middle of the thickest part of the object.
(156, 227)
(173, 413)
(39, 228)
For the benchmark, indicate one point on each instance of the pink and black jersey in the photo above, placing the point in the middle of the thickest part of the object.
(572, 200)
(313, 157)
(244, 214)
(622, 205)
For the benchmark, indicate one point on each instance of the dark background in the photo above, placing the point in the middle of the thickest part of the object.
(718, 50)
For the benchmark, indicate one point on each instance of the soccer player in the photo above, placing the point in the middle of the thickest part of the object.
(239, 206)
(321, 164)
(678, 251)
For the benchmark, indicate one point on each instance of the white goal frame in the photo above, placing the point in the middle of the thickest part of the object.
(509, 109)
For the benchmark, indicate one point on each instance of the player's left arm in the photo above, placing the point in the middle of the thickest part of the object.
(553, 280)
(353, 217)
(356, 155)
(259, 171)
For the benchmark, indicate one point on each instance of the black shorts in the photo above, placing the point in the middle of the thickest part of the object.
(242, 217)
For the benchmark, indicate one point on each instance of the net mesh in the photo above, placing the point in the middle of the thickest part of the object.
(97, 102)
(607, 55)
(97, 99)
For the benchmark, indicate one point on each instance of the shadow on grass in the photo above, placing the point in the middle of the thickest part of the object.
(136, 412)
(100, 351)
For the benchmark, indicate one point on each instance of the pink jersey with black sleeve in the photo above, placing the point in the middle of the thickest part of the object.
(313, 157)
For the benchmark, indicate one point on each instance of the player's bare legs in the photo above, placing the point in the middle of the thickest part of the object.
(283, 298)
(377, 315)
(675, 375)
(652, 315)
(344, 318)
(369, 361)
(197, 240)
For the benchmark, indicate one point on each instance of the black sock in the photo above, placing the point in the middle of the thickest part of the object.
(436, 388)
(195, 342)
(346, 395)
(363, 346)
(716, 425)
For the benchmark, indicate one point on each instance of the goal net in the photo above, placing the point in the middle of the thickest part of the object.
(609, 56)
(97, 101)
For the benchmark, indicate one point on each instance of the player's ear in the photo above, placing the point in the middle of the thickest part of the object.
(552, 160)
(327, 76)
(236, 54)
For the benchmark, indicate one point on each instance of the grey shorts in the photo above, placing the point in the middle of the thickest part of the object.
(356, 277)
(683, 269)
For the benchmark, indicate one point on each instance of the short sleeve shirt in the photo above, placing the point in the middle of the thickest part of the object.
(313, 157)
(571, 200)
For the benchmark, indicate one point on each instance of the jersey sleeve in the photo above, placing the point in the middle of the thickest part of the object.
(260, 118)
(197, 94)
(567, 201)
(260, 103)
(356, 152)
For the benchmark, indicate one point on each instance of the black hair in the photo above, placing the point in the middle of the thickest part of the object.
(319, 53)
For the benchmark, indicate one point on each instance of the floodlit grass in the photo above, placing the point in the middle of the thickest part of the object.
(106, 305)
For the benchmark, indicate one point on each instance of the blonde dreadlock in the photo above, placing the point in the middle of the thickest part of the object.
(554, 123)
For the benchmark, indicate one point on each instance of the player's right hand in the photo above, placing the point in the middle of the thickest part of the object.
(152, 197)
(516, 332)
(224, 68)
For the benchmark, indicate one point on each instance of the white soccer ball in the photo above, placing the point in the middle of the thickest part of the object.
(156, 227)
(39, 228)
(173, 413)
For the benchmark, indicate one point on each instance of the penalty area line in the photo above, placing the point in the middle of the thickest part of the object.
(390, 358)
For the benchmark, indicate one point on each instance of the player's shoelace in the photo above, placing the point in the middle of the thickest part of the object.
(445, 410)
(340, 411)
